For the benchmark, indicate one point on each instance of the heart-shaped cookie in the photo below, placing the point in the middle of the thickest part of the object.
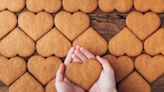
(44, 69)
(122, 66)
(8, 21)
(50, 6)
(35, 25)
(11, 69)
(125, 42)
(17, 42)
(143, 25)
(153, 5)
(53, 43)
(155, 43)
(79, 23)
(12, 5)
(86, 6)
(134, 83)
(150, 67)
(85, 74)
(50, 87)
(26, 83)
(119, 5)
(92, 41)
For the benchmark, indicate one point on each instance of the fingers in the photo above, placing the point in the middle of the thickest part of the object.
(80, 54)
(76, 58)
(88, 54)
(60, 73)
(68, 59)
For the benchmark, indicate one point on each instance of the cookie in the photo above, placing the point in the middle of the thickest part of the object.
(143, 25)
(86, 6)
(125, 42)
(85, 74)
(150, 67)
(11, 69)
(134, 83)
(12, 5)
(35, 25)
(92, 41)
(26, 84)
(79, 23)
(6, 25)
(119, 5)
(155, 43)
(153, 5)
(43, 69)
(53, 43)
(50, 6)
(50, 87)
(17, 43)
(122, 66)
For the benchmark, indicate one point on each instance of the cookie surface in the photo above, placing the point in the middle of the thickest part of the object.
(11, 69)
(17, 43)
(143, 25)
(53, 43)
(43, 69)
(85, 74)
(96, 43)
(79, 23)
(125, 42)
(50, 87)
(35, 25)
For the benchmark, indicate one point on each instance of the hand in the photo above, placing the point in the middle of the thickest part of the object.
(106, 81)
(62, 84)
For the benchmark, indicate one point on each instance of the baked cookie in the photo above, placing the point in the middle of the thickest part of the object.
(153, 5)
(143, 25)
(125, 42)
(12, 5)
(53, 43)
(43, 69)
(35, 25)
(51, 86)
(50, 6)
(26, 84)
(150, 67)
(11, 69)
(79, 23)
(86, 6)
(119, 5)
(92, 41)
(134, 83)
(85, 74)
(122, 66)
(17, 43)
(155, 43)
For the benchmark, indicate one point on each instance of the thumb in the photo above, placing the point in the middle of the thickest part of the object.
(60, 73)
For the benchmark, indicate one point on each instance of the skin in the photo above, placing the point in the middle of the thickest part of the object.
(105, 83)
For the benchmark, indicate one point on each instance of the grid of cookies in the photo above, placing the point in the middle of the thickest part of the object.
(35, 35)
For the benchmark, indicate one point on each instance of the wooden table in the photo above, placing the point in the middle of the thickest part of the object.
(108, 25)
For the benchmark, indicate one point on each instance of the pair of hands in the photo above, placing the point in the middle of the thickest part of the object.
(105, 83)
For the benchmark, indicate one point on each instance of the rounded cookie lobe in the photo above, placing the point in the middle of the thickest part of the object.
(50, 87)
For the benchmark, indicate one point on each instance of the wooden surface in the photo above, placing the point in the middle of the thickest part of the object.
(108, 25)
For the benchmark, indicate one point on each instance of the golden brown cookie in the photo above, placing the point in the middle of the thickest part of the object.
(143, 25)
(153, 5)
(35, 25)
(86, 6)
(71, 25)
(50, 6)
(26, 84)
(11, 69)
(17, 43)
(53, 43)
(8, 21)
(50, 87)
(43, 69)
(125, 42)
(119, 5)
(12, 5)
(150, 67)
(122, 66)
(134, 83)
(92, 41)
(155, 43)
(85, 74)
